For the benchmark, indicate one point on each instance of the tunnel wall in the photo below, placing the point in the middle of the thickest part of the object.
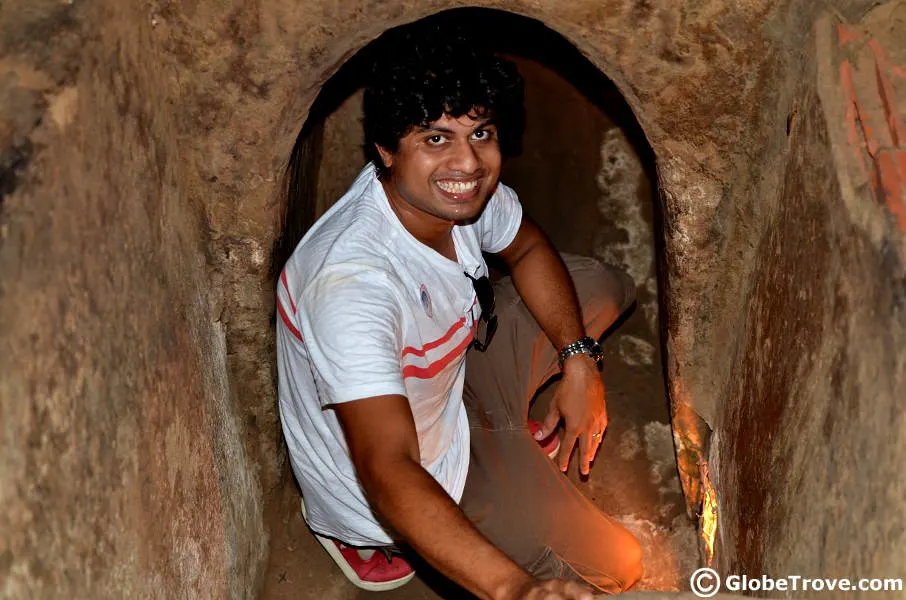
(808, 453)
(123, 474)
(142, 147)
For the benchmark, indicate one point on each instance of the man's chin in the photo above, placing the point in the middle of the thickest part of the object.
(467, 213)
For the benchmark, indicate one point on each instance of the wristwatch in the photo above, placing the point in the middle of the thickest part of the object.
(586, 345)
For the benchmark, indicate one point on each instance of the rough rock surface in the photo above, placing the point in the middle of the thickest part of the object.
(136, 367)
(123, 471)
(812, 431)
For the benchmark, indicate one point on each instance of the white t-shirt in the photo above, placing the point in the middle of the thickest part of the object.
(366, 310)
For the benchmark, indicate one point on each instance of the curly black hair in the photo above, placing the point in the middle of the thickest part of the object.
(431, 68)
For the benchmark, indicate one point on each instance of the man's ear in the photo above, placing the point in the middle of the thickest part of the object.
(386, 155)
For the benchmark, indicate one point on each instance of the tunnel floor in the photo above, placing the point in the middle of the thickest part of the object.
(634, 479)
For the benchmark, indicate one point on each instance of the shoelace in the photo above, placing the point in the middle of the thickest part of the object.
(387, 553)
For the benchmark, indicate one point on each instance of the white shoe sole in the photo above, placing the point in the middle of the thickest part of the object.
(351, 575)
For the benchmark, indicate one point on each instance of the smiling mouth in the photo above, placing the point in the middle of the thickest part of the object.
(458, 187)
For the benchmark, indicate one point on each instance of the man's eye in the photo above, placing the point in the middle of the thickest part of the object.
(435, 140)
(483, 135)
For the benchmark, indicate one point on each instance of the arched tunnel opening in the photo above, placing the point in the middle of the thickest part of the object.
(141, 151)
(586, 176)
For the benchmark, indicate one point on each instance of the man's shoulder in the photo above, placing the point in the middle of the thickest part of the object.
(352, 291)
(356, 213)
(351, 258)
(354, 230)
(358, 226)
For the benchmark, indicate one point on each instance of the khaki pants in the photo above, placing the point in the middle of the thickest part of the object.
(514, 493)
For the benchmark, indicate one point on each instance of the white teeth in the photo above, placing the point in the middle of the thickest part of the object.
(457, 187)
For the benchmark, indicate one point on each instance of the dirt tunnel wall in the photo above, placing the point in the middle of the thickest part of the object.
(141, 147)
(809, 448)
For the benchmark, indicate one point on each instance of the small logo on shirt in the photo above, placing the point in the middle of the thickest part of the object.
(426, 301)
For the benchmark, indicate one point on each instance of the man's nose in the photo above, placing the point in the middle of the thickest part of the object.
(464, 158)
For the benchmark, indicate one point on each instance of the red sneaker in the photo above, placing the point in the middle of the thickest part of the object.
(378, 573)
(551, 444)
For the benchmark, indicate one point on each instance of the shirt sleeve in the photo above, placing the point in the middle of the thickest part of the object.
(499, 222)
(352, 329)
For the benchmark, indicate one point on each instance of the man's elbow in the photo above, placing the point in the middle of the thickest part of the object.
(382, 478)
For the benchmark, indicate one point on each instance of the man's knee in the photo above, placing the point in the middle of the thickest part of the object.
(630, 569)
(628, 287)
(622, 568)
(605, 292)
(604, 553)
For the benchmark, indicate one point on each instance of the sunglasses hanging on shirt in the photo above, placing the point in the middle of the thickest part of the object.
(487, 323)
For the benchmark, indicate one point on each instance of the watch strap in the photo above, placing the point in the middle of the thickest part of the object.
(586, 345)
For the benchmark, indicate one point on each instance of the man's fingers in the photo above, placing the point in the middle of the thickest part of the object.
(551, 420)
(589, 443)
(587, 447)
(566, 448)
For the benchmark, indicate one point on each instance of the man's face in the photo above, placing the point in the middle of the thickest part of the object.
(447, 170)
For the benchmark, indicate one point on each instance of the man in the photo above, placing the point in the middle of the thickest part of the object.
(394, 441)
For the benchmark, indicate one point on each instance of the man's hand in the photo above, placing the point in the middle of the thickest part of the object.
(553, 589)
(579, 400)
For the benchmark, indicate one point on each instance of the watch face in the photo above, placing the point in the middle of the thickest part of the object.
(596, 351)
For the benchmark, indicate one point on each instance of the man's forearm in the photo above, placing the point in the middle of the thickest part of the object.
(424, 515)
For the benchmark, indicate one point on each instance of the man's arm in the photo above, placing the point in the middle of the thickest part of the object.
(383, 443)
(545, 286)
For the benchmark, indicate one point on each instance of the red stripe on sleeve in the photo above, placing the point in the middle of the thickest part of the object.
(292, 304)
(287, 322)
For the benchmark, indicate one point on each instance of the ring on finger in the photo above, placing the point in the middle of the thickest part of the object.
(596, 435)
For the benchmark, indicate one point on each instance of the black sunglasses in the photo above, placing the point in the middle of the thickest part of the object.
(485, 293)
